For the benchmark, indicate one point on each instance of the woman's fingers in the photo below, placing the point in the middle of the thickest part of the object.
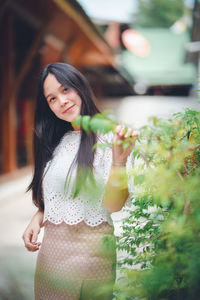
(128, 133)
(135, 133)
(27, 237)
(125, 132)
(32, 247)
(34, 237)
(30, 241)
(120, 130)
(117, 129)
(122, 147)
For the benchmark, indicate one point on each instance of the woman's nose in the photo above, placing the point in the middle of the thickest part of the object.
(63, 100)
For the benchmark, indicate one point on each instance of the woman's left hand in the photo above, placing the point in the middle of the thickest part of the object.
(121, 133)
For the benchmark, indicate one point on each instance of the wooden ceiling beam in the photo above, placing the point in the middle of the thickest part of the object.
(87, 30)
(79, 50)
(28, 60)
(93, 58)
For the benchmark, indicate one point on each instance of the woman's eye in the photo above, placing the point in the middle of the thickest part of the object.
(52, 99)
(65, 90)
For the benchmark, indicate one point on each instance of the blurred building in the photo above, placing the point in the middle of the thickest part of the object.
(193, 48)
(159, 67)
(33, 34)
(154, 58)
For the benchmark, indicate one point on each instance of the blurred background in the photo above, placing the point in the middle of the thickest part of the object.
(141, 57)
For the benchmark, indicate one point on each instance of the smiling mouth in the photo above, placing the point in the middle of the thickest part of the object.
(68, 109)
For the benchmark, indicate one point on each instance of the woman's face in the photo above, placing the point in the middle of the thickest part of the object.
(64, 103)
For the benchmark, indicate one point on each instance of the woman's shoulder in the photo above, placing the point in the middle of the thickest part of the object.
(70, 137)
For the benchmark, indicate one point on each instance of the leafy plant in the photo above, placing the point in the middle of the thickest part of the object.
(158, 13)
(161, 234)
(103, 123)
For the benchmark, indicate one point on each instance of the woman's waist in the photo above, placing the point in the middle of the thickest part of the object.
(78, 240)
(77, 233)
(79, 224)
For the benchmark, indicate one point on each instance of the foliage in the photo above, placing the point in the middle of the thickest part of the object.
(161, 235)
(103, 122)
(100, 123)
(158, 13)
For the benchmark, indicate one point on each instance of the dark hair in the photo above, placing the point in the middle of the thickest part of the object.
(49, 129)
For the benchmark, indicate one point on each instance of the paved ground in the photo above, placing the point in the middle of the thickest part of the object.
(17, 264)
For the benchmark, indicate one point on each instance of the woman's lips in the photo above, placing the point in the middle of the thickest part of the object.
(69, 109)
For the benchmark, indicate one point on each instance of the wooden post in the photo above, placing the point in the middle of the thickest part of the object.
(8, 107)
(3, 4)
(28, 60)
(29, 120)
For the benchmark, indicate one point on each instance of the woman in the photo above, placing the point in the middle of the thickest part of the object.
(75, 260)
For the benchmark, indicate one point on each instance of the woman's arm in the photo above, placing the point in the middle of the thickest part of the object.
(116, 191)
(30, 235)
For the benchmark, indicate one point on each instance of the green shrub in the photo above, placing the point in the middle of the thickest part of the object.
(161, 234)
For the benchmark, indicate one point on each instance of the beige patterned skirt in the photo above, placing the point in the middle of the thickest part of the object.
(76, 262)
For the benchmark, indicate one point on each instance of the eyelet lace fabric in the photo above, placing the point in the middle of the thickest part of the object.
(88, 207)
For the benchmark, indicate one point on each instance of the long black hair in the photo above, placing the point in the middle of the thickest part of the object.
(49, 129)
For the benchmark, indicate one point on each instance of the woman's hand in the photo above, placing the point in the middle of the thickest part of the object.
(119, 154)
(32, 231)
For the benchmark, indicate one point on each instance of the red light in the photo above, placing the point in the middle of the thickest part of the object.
(136, 43)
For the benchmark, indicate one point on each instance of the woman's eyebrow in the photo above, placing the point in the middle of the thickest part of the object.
(52, 94)
(48, 96)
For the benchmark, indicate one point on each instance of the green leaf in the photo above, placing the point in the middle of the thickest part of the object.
(99, 116)
(77, 121)
(100, 124)
(85, 123)
(139, 179)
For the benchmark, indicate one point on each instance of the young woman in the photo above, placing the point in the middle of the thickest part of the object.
(75, 260)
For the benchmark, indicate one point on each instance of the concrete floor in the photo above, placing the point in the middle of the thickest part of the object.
(16, 263)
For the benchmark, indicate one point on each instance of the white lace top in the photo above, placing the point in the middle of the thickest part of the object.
(59, 204)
